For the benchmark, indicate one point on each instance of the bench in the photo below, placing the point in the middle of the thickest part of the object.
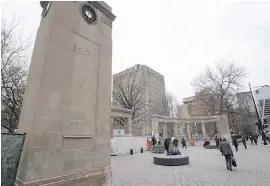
(171, 160)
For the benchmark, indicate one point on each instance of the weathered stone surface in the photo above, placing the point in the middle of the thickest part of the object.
(66, 109)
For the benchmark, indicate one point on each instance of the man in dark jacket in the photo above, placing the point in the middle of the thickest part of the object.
(255, 138)
(226, 150)
(235, 144)
(166, 144)
(244, 141)
(154, 141)
(251, 139)
(206, 143)
(184, 143)
(217, 141)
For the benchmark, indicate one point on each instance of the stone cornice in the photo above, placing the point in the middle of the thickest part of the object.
(205, 118)
(123, 110)
(100, 7)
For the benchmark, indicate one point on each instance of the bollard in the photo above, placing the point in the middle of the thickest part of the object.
(131, 151)
(141, 150)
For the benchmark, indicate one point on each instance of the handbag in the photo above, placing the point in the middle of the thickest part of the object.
(234, 162)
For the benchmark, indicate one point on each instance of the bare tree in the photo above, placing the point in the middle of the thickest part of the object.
(171, 104)
(128, 94)
(218, 87)
(13, 72)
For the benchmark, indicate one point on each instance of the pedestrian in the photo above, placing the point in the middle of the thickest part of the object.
(154, 141)
(244, 141)
(235, 144)
(166, 144)
(246, 137)
(184, 143)
(206, 143)
(251, 139)
(217, 141)
(226, 150)
(255, 139)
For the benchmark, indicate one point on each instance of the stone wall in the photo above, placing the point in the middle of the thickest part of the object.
(11, 148)
(122, 145)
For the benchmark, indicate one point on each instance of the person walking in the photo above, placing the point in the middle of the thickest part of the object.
(251, 139)
(217, 141)
(244, 141)
(255, 139)
(184, 143)
(166, 144)
(154, 141)
(226, 150)
(235, 144)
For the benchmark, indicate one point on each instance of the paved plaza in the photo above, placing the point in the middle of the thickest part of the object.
(207, 167)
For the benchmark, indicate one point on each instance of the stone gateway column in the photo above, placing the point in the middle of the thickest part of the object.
(203, 130)
(66, 110)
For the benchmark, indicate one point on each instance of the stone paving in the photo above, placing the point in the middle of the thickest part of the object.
(207, 167)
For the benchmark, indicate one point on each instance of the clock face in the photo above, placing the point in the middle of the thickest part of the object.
(89, 14)
(46, 6)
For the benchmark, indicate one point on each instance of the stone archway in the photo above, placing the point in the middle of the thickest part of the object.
(221, 122)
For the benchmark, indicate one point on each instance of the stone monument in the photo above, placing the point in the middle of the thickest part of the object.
(66, 110)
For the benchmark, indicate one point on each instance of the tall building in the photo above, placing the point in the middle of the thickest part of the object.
(152, 93)
(262, 100)
(247, 108)
(245, 101)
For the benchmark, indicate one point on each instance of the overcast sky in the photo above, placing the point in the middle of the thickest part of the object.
(179, 38)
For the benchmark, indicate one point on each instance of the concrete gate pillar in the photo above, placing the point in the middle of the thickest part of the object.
(66, 110)
(165, 131)
(203, 130)
(112, 127)
(223, 127)
(189, 137)
(175, 131)
(155, 128)
(129, 123)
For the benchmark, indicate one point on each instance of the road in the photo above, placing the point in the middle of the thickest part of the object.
(206, 168)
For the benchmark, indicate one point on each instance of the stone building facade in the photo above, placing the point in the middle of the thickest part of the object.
(194, 106)
(245, 101)
(153, 94)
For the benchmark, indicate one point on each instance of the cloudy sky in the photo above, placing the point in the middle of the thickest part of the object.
(179, 38)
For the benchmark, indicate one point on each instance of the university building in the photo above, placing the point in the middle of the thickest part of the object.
(153, 94)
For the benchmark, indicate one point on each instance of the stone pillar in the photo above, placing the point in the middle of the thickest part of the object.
(175, 131)
(112, 128)
(165, 131)
(189, 137)
(129, 123)
(203, 130)
(66, 110)
(223, 127)
(155, 128)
